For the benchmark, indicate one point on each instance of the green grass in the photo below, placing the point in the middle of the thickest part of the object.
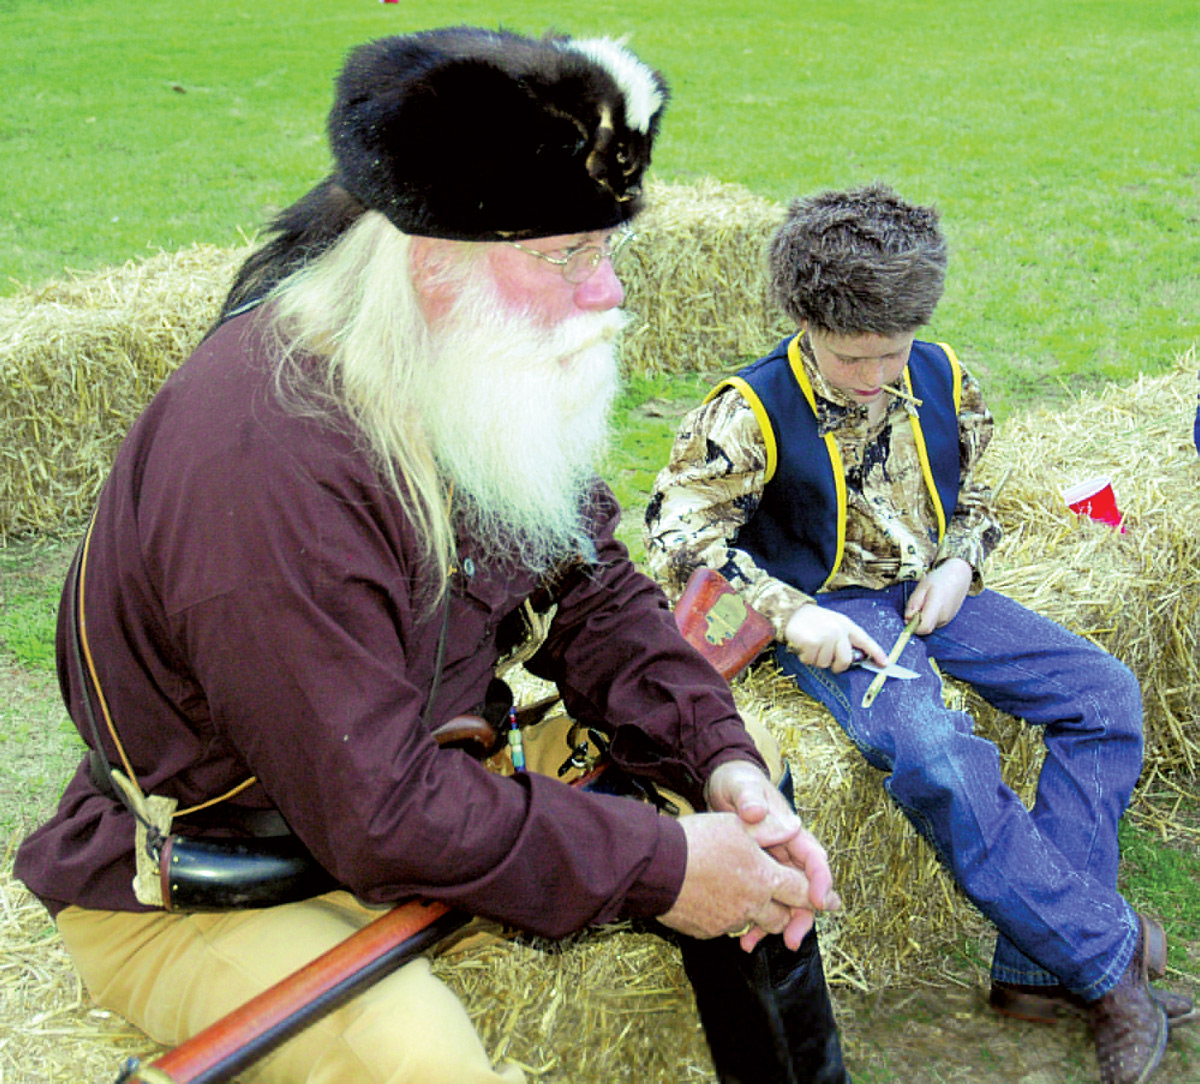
(39, 746)
(1059, 140)
(31, 581)
(27, 628)
(1163, 881)
(645, 419)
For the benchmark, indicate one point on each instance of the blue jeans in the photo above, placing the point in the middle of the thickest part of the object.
(1045, 877)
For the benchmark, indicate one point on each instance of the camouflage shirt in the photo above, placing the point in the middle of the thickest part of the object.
(714, 481)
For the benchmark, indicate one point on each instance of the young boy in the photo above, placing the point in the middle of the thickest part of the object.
(833, 484)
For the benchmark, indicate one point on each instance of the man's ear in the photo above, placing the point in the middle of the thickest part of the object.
(430, 258)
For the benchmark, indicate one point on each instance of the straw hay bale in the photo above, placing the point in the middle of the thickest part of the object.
(79, 359)
(696, 279)
(1137, 594)
(605, 1006)
(50, 1031)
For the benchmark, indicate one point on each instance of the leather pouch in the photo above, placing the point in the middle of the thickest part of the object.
(716, 621)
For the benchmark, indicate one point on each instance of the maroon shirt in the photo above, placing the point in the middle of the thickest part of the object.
(253, 606)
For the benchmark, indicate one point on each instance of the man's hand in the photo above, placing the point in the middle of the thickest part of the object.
(800, 881)
(939, 595)
(827, 639)
(740, 787)
(731, 882)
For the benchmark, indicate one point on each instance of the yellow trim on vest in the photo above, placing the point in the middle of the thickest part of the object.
(835, 457)
(926, 468)
(919, 436)
(760, 413)
(954, 364)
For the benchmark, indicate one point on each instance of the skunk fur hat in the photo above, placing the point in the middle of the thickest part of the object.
(481, 135)
(473, 135)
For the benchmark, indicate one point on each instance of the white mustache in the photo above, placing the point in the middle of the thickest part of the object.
(580, 333)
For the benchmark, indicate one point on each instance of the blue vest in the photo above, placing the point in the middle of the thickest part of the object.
(1196, 428)
(798, 532)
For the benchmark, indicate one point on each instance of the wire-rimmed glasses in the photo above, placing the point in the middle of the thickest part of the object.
(579, 263)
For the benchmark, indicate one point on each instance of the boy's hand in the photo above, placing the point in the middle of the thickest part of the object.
(939, 595)
(827, 639)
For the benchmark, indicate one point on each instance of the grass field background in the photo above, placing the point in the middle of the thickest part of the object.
(1060, 140)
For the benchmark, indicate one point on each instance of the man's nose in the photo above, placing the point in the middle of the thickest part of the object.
(601, 290)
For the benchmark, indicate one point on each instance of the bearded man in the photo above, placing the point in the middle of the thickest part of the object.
(369, 485)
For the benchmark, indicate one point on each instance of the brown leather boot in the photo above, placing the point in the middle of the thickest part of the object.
(1128, 1025)
(1048, 1004)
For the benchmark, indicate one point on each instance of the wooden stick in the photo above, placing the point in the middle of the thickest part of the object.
(873, 689)
(902, 395)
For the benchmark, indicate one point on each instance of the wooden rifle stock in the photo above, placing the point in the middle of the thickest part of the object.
(236, 1041)
(711, 617)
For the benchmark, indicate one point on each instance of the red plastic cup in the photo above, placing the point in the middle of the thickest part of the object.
(1095, 499)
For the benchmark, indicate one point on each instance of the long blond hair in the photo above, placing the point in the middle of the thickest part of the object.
(356, 309)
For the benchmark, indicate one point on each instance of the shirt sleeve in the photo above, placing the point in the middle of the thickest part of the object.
(973, 530)
(707, 492)
(621, 664)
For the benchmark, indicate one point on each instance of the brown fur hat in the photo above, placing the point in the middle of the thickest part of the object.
(480, 135)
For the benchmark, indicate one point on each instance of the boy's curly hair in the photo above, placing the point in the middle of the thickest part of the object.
(858, 261)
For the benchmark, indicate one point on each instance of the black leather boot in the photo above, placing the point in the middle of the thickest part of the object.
(766, 1014)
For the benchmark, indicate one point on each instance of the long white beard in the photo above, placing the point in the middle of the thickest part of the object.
(517, 416)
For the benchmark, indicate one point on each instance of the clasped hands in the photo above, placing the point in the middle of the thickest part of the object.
(750, 861)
